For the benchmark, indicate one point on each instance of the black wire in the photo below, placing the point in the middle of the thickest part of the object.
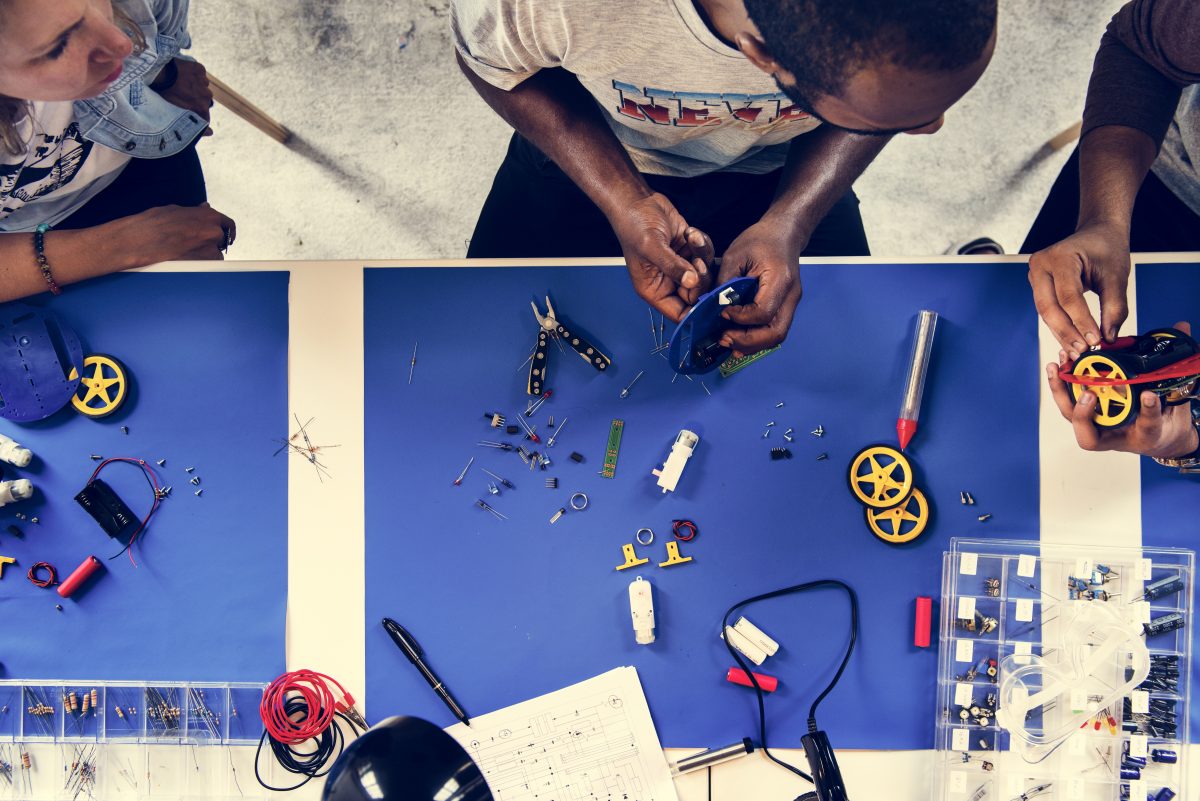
(310, 764)
(758, 691)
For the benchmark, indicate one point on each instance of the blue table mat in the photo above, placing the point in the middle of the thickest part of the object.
(1166, 294)
(207, 353)
(507, 610)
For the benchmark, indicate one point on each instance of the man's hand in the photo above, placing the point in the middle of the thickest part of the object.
(762, 252)
(1096, 258)
(667, 259)
(1166, 435)
(190, 90)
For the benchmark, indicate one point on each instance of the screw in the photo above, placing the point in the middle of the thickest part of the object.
(161, 463)
(779, 405)
(819, 431)
(962, 495)
(96, 457)
(188, 469)
(58, 607)
(33, 520)
(766, 433)
(125, 430)
(970, 499)
(822, 457)
(984, 518)
(770, 424)
(198, 493)
(195, 481)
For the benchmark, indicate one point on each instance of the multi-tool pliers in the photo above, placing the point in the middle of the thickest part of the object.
(552, 326)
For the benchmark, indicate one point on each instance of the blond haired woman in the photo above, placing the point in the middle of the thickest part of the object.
(98, 122)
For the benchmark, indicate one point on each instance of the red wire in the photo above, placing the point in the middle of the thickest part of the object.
(153, 479)
(321, 703)
(52, 578)
(1180, 369)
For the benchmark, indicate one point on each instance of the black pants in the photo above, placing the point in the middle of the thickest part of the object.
(145, 184)
(1161, 221)
(535, 210)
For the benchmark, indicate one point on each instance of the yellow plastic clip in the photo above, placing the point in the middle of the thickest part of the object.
(6, 560)
(631, 559)
(673, 557)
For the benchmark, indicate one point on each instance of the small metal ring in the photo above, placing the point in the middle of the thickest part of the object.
(641, 541)
(582, 497)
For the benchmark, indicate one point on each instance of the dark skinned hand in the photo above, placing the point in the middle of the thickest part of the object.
(763, 252)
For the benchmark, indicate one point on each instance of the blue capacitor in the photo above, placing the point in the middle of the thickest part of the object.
(1131, 772)
(1139, 762)
(1165, 794)
(1164, 624)
(1164, 756)
(1164, 586)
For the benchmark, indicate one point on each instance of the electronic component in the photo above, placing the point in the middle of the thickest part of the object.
(780, 453)
(696, 343)
(672, 470)
(684, 530)
(750, 641)
(12, 452)
(577, 458)
(79, 576)
(1164, 624)
(1164, 586)
(614, 448)
(100, 501)
(733, 364)
(641, 607)
(13, 491)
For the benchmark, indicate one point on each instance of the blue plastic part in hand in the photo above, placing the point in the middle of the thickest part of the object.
(695, 345)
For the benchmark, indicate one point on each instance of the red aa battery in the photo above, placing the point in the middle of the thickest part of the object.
(738, 676)
(77, 578)
(922, 621)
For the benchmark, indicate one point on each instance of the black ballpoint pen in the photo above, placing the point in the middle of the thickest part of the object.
(409, 647)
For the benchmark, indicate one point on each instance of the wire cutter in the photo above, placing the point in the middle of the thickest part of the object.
(551, 326)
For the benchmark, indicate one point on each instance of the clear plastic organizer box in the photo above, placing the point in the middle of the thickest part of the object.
(1063, 672)
(129, 741)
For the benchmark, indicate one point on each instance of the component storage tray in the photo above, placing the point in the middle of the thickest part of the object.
(1003, 599)
(136, 741)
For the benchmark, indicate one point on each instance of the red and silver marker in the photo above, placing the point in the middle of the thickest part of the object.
(918, 368)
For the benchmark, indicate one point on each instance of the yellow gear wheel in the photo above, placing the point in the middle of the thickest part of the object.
(880, 477)
(902, 523)
(1114, 404)
(103, 387)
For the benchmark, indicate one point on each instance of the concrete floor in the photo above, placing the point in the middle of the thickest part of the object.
(394, 152)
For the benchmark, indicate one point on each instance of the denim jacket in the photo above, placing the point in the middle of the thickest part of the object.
(130, 117)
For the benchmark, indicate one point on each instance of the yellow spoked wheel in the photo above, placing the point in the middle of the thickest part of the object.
(1114, 404)
(103, 387)
(902, 523)
(880, 477)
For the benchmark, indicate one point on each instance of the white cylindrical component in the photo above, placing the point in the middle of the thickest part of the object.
(13, 491)
(13, 453)
(918, 365)
(672, 468)
(744, 646)
(641, 607)
(756, 635)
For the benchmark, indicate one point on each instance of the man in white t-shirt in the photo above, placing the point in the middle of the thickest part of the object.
(675, 130)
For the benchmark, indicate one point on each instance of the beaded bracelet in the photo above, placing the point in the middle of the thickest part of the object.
(39, 247)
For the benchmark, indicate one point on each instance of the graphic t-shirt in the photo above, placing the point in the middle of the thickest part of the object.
(57, 174)
(680, 100)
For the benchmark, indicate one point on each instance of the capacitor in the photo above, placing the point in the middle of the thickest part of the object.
(1164, 624)
(1131, 772)
(1164, 586)
(81, 575)
(1164, 756)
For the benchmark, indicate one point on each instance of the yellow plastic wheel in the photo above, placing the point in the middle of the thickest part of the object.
(880, 477)
(1114, 404)
(102, 389)
(903, 523)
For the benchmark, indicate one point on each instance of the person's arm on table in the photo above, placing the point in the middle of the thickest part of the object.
(161, 234)
(821, 166)
(1147, 55)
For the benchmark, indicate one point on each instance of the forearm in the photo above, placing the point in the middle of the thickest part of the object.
(557, 114)
(1113, 162)
(73, 256)
(821, 166)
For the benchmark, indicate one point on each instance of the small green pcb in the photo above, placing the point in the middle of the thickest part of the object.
(732, 365)
(614, 447)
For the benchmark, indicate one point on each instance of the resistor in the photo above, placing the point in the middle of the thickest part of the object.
(25, 762)
(95, 699)
(74, 702)
(120, 712)
(87, 702)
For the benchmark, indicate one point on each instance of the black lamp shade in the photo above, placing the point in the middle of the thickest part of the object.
(405, 759)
